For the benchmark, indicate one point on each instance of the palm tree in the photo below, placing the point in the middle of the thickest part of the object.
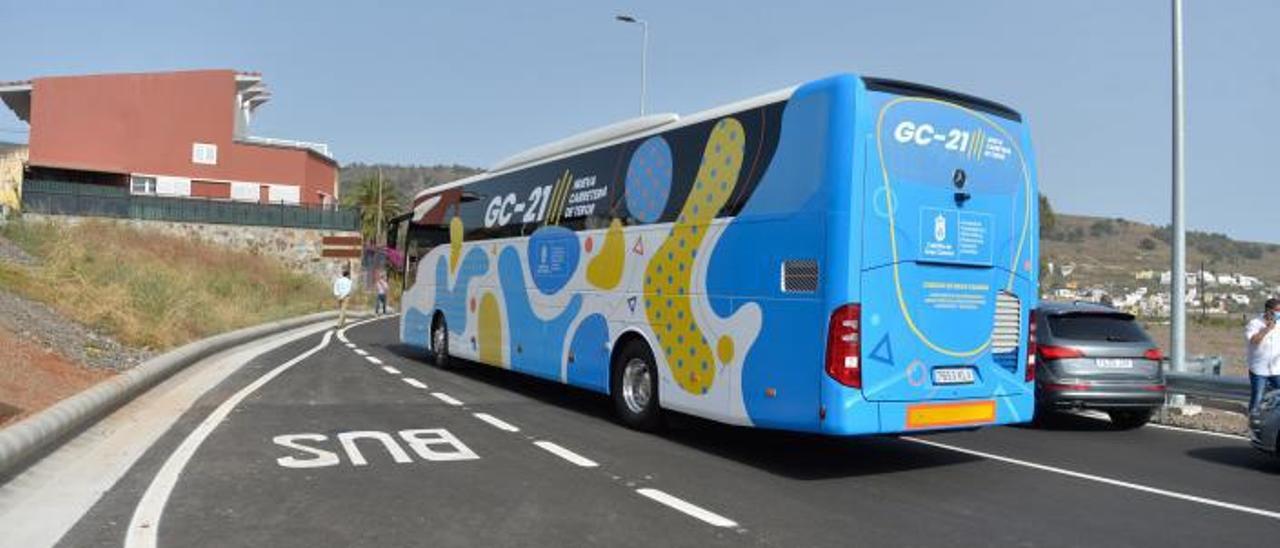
(366, 196)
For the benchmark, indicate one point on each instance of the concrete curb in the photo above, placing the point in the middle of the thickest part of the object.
(31, 437)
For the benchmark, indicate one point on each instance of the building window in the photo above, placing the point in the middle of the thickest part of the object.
(142, 185)
(204, 153)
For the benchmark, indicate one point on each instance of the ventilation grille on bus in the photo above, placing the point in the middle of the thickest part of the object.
(800, 276)
(1008, 324)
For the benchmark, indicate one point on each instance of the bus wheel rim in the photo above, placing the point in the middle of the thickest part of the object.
(637, 386)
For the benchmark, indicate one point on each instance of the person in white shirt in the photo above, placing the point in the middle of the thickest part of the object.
(341, 291)
(1264, 352)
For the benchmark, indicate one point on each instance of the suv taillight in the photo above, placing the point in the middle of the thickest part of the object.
(1030, 374)
(1153, 354)
(844, 345)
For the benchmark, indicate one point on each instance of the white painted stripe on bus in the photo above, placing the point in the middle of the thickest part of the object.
(391, 370)
(145, 522)
(373, 360)
(414, 383)
(1101, 479)
(361, 352)
(446, 398)
(496, 422)
(566, 454)
(688, 508)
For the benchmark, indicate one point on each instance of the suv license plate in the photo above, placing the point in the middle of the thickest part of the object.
(953, 375)
(1115, 363)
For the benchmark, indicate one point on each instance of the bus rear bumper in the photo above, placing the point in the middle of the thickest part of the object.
(908, 417)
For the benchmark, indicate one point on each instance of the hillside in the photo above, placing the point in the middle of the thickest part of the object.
(1108, 253)
(407, 180)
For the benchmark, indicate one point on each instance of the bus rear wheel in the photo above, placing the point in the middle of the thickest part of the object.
(635, 387)
(440, 343)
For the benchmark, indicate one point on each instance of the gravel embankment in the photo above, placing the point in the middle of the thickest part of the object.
(40, 324)
(1223, 417)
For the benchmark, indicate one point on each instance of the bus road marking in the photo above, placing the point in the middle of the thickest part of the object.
(361, 352)
(145, 522)
(496, 422)
(414, 383)
(688, 508)
(566, 454)
(1101, 479)
(446, 398)
(391, 370)
(373, 360)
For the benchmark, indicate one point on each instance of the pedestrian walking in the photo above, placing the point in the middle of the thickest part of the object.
(342, 292)
(380, 307)
(1264, 352)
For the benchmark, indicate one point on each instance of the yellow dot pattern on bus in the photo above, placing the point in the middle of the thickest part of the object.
(605, 269)
(669, 276)
(489, 327)
(455, 243)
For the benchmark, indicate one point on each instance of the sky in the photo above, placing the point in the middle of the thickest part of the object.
(471, 82)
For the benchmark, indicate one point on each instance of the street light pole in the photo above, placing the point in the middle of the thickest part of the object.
(644, 54)
(1178, 325)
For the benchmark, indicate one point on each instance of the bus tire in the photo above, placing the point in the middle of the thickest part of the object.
(440, 342)
(634, 387)
(1129, 419)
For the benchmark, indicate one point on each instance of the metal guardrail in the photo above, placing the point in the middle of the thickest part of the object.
(1208, 386)
(64, 198)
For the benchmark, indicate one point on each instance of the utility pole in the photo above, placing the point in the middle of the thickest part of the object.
(377, 236)
(1178, 325)
(644, 54)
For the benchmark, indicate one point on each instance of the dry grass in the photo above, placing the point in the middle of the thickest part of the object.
(151, 290)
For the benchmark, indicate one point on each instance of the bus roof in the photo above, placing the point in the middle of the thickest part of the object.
(647, 125)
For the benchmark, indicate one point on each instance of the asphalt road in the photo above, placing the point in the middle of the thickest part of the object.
(336, 449)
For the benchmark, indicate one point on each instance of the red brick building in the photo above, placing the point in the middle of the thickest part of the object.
(182, 134)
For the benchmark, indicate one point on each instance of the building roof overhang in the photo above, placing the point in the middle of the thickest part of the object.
(17, 96)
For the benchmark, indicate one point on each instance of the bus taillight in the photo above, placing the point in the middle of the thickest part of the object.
(844, 345)
(1032, 349)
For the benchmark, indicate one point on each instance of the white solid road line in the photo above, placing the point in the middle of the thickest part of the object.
(566, 454)
(1101, 479)
(373, 360)
(496, 422)
(414, 383)
(1232, 437)
(361, 352)
(446, 398)
(688, 508)
(145, 523)
(391, 370)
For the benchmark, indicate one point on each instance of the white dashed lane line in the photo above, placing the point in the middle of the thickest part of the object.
(414, 383)
(373, 360)
(688, 508)
(391, 370)
(350, 345)
(496, 422)
(446, 398)
(361, 352)
(566, 454)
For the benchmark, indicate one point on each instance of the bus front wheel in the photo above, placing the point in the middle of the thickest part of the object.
(635, 387)
(440, 343)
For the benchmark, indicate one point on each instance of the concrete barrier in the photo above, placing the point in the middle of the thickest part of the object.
(32, 437)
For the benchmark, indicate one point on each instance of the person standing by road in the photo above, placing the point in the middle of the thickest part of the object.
(380, 307)
(1264, 352)
(342, 292)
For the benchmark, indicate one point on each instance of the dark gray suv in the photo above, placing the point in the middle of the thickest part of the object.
(1091, 356)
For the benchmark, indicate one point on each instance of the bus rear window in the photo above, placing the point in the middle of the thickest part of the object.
(1096, 327)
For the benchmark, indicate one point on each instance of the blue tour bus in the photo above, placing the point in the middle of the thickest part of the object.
(849, 256)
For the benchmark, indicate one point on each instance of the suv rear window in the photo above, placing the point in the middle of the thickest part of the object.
(1097, 327)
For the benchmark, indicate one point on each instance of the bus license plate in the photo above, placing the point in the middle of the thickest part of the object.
(1115, 363)
(953, 375)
